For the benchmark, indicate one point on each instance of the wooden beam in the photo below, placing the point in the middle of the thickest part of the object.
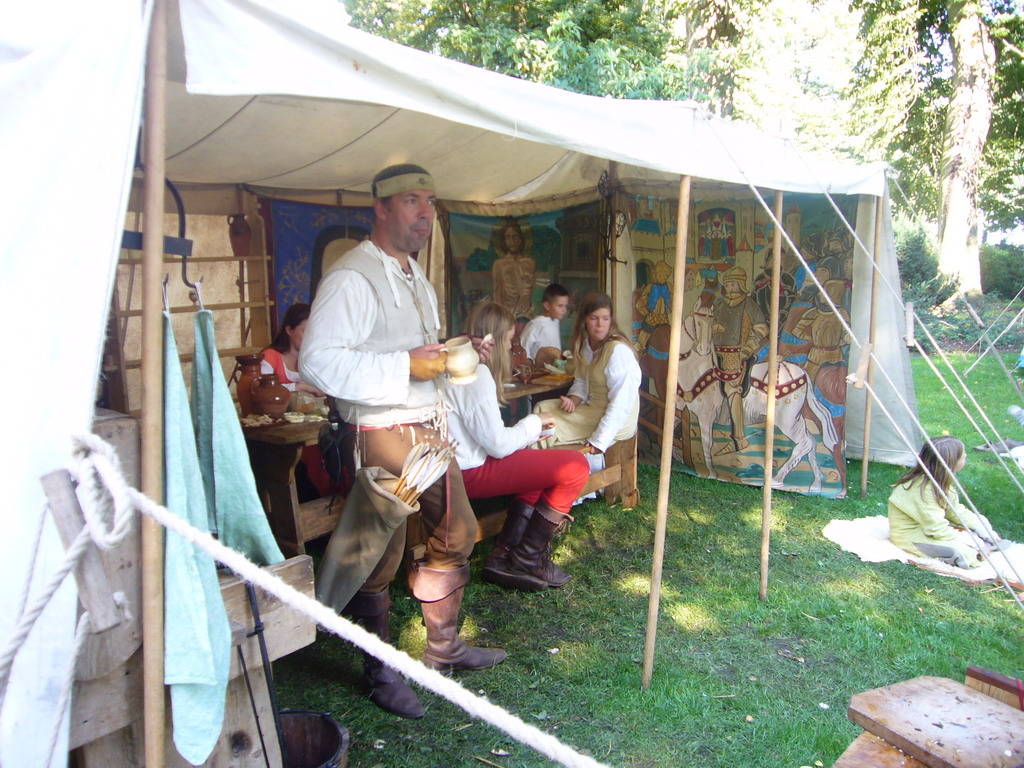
(94, 590)
(870, 375)
(773, 380)
(668, 428)
(154, 707)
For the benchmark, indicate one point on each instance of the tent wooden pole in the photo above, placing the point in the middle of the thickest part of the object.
(613, 178)
(773, 380)
(871, 340)
(152, 390)
(668, 424)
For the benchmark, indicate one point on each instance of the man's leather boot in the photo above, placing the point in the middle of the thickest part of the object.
(388, 689)
(440, 596)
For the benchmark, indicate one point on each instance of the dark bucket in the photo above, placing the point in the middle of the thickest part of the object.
(314, 739)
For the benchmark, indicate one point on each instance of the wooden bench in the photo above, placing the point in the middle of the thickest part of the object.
(617, 479)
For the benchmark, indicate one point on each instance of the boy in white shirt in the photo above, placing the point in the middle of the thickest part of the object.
(541, 338)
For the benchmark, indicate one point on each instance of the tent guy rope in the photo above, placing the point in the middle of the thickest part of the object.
(849, 330)
(99, 471)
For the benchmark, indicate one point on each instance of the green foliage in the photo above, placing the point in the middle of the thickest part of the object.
(1002, 270)
(954, 328)
(1002, 191)
(903, 88)
(596, 47)
(920, 279)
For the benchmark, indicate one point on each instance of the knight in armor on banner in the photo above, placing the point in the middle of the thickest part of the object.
(739, 331)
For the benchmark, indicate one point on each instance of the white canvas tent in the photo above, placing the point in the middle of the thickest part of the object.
(285, 97)
(281, 95)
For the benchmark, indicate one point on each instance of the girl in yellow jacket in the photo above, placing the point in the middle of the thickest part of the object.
(923, 523)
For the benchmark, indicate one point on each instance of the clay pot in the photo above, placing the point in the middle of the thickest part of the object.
(240, 235)
(269, 396)
(250, 369)
(462, 360)
(518, 353)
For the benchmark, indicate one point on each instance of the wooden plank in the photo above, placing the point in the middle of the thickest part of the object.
(107, 704)
(258, 276)
(237, 747)
(121, 749)
(319, 517)
(105, 651)
(869, 751)
(239, 743)
(211, 307)
(303, 433)
(94, 590)
(623, 455)
(285, 629)
(1008, 690)
(943, 723)
(602, 478)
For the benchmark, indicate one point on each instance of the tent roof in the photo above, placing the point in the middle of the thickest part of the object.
(320, 105)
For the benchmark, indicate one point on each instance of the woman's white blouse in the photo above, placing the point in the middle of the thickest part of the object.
(475, 422)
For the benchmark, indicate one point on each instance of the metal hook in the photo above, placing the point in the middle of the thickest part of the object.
(196, 286)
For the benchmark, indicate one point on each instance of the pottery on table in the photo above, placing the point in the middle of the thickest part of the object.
(249, 366)
(269, 395)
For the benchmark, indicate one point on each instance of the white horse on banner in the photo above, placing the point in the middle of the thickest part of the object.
(700, 391)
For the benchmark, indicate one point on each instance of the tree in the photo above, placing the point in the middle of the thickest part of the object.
(968, 118)
(935, 66)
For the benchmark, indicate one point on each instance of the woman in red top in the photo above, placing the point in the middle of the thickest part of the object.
(282, 358)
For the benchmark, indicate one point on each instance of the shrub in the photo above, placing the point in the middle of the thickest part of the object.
(920, 279)
(953, 327)
(1002, 270)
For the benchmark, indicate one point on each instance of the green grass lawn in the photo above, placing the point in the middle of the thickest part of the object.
(737, 681)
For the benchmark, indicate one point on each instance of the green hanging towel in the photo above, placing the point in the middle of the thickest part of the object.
(197, 638)
(238, 515)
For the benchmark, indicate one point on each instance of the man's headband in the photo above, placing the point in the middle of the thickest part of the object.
(403, 182)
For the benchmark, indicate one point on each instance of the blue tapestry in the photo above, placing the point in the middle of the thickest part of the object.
(298, 235)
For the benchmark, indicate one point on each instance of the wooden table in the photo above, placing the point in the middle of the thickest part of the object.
(274, 452)
(549, 385)
(518, 395)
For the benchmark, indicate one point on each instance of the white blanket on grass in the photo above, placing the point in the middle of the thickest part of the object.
(868, 538)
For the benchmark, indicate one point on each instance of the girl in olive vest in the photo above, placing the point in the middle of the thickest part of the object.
(604, 401)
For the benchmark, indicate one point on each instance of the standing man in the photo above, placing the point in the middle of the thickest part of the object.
(371, 343)
(739, 331)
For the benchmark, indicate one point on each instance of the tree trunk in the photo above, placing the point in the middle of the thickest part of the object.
(967, 123)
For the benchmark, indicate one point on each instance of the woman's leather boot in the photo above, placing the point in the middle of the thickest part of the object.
(516, 517)
(529, 563)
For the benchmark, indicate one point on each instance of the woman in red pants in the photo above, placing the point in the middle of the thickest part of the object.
(495, 462)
